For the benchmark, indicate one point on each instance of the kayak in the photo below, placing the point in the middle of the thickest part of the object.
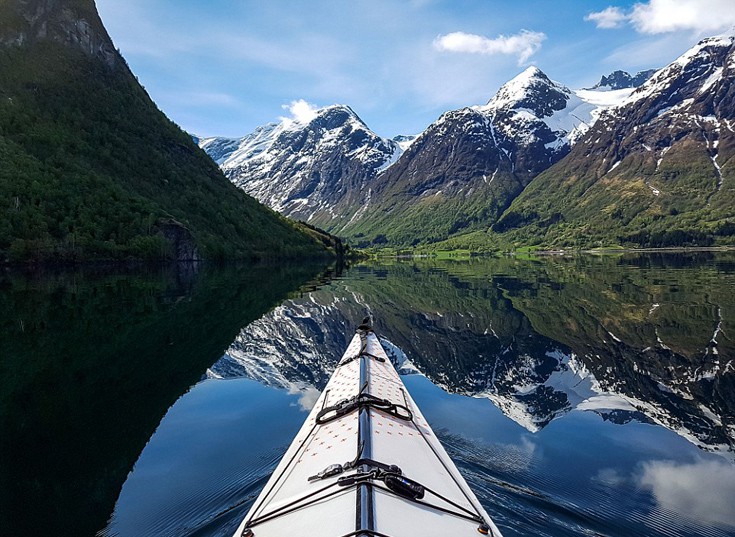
(366, 463)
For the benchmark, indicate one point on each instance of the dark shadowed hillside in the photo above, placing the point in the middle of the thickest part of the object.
(91, 169)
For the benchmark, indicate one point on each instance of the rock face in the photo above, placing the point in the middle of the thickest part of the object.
(72, 23)
(653, 171)
(622, 79)
(180, 240)
(319, 170)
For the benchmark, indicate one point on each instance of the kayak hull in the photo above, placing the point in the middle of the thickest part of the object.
(366, 462)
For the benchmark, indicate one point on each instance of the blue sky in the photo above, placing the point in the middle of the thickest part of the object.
(224, 67)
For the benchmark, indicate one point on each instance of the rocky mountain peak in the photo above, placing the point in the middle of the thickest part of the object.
(657, 163)
(335, 117)
(404, 141)
(532, 90)
(622, 80)
(521, 83)
(336, 126)
(305, 167)
(694, 73)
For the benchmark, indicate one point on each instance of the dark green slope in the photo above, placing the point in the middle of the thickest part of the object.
(91, 169)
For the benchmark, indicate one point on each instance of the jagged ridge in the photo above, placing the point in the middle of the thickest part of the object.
(315, 171)
(458, 175)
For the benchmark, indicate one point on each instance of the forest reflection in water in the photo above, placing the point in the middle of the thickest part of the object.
(91, 360)
(644, 337)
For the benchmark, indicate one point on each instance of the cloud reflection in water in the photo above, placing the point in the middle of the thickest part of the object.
(699, 491)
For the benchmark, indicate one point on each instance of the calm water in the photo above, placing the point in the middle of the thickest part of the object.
(583, 396)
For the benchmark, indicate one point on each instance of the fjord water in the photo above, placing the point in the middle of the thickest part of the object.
(578, 396)
(90, 362)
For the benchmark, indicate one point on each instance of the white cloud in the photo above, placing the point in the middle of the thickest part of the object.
(662, 16)
(523, 44)
(611, 17)
(301, 111)
(659, 16)
(439, 82)
(609, 477)
(702, 491)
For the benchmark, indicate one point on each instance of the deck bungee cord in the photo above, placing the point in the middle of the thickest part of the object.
(372, 480)
(345, 406)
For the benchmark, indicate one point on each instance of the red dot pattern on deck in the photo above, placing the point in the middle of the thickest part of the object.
(387, 384)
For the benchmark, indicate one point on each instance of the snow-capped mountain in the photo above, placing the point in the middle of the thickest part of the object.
(330, 170)
(404, 141)
(652, 171)
(650, 162)
(310, 170)
(466, 168)
(532, 108)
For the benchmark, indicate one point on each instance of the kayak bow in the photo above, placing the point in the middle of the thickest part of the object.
(366, 463)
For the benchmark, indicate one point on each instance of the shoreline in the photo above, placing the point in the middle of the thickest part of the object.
(607, 251)
(461, 254)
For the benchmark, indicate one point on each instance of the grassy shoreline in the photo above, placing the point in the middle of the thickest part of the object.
(408, 253)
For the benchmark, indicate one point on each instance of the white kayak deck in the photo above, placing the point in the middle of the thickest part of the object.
(359, 443)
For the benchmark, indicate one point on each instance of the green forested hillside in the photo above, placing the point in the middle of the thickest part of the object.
(91, 169)
(677, 201)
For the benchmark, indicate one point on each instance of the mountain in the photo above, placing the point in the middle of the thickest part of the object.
(404, 141)
(459, 174)
(317, 170)
(464, 170)
(656, 171)
(93, 170)
(622, 79)
(637, 160)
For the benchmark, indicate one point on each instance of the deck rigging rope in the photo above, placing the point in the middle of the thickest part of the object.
(363, 330)
(346, 406)
(394, 483)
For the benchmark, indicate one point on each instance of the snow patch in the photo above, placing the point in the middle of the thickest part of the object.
(713, 78)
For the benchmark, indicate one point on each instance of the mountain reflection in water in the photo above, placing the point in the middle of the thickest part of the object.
(644, 338)
(611, 380)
